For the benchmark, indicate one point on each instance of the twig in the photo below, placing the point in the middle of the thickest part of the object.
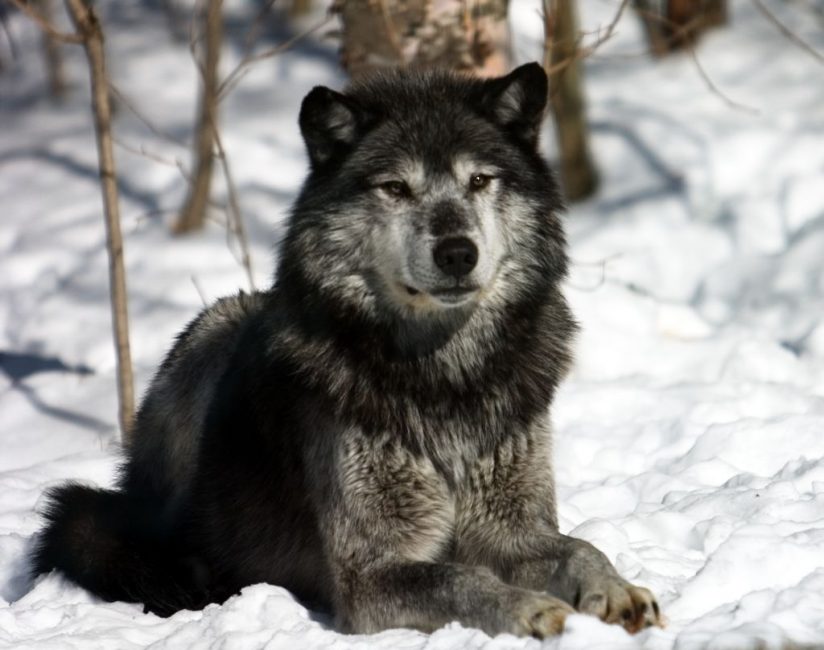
(252, 33)
(690, 48)
(589, 50)
(177, 163)
(236, 225)
(808, 5)
(145, 153)
(787, 32)
(142, 118)
(715, 89)
(231, 80)
(45, 25)
(195, 35)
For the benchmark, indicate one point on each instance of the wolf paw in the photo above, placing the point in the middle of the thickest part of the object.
(614, 600)
(541, 615)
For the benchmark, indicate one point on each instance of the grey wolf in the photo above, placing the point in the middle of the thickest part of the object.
(372, 433)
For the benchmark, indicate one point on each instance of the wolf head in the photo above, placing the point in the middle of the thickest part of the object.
(427, 198)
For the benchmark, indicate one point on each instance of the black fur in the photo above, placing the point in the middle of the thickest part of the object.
(172, 543)
(272, 410)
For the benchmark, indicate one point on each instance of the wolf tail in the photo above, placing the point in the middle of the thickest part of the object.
(114, 546)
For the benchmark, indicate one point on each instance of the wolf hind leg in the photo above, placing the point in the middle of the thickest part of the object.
(113, 546)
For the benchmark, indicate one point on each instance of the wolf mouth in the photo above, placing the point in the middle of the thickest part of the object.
(449, 294)
(455, 293)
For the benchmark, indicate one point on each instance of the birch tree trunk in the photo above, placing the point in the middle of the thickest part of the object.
(579, 177)
(470, 36)
(193, 214)
(88, 27)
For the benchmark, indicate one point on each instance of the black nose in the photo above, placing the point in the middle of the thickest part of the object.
(456, 256)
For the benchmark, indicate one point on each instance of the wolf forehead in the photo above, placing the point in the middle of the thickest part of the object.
(426, 116)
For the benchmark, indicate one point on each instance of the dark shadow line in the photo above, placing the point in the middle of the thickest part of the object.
(148, 199)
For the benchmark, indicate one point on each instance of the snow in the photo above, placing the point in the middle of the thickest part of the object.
(690, 435)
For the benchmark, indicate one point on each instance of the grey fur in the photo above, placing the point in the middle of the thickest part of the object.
(373, 433)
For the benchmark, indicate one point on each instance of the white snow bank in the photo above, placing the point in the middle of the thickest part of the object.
(690, 436)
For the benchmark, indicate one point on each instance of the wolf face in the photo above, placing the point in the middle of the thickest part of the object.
(438, 245)
(419, 215)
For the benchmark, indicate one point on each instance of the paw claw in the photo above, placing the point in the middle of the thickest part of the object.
(617, 601)
(542, 616)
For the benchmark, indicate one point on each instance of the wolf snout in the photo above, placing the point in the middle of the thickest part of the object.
(456, 256)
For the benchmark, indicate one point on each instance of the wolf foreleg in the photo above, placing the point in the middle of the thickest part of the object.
(389, 521)
(507, 521)
(580, 574)
(426, 596)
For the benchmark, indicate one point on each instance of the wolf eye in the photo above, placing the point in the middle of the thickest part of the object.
(398, 189)
(479, 181)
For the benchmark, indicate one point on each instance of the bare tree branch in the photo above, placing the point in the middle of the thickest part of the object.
(52, 54)
(123, 99)
(254, 29)
(145, 153)
(45, 25)
(706, 78)
(232, 79)
(744, 108)
(589, 50)
(236, 225)
(787, 32)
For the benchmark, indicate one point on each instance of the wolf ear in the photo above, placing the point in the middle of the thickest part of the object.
(328, 122)
(517, 100)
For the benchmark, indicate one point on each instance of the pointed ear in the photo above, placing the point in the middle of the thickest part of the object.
(329, 124)
(517, 100)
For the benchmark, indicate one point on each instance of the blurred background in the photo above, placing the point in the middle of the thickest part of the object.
(688, 137)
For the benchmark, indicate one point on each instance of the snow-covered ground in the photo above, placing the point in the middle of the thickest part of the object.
(690, 436)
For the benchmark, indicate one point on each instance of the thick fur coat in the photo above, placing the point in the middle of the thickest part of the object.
(373, 432)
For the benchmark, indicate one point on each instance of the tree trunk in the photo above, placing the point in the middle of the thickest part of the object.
(193, 214)
(88, 26)
(675, 24)
(448, 33)
(653, 23)
(300, 8)
(579, 177)
(715, 13)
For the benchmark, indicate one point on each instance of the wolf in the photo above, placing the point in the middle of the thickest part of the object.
(373, 432)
